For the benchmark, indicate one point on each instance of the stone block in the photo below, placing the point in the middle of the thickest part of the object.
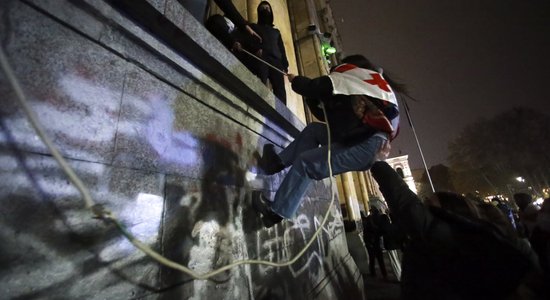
(203, 229)
(72, 15)
(73, 85)
(53, 248)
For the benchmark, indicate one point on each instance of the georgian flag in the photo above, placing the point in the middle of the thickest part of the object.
(348, 79)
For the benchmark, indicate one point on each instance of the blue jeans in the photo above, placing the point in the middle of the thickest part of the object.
(309, 162)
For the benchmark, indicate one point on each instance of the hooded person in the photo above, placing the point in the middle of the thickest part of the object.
(361, 108)
(273, 50)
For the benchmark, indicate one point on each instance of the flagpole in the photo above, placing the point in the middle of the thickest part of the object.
(407, 112)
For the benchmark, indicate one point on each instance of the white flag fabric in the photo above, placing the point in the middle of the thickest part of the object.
(348, 79)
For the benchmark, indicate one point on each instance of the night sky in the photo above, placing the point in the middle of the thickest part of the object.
(461, 59)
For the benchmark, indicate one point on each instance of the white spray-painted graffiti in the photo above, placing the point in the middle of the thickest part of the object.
(279, 249)
(215, 244)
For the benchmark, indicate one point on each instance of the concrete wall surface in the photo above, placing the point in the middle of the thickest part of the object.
(164, 126)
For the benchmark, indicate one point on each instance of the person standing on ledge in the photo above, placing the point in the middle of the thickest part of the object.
(273, 50)
(362, 112)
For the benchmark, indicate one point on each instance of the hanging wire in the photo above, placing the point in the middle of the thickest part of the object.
(409, 118)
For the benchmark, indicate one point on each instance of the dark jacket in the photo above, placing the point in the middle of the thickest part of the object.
(393, 235)
(272, 43)
(219, 28)
(371, 231)
(449, 256)
(345, 126)
(231, 12)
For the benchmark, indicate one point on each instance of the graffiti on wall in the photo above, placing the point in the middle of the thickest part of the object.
(204, 223)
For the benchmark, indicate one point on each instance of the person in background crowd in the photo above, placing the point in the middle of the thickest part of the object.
(372, 233)
(505, 209)
(527, 212)
(540, 238)
(393, 241)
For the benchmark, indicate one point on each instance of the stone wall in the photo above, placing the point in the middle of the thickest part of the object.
(163, 125)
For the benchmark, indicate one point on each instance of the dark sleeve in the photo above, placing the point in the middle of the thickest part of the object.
(315, 109)
(409, 211)
(249, 42)
(231, 12)
(320, 87)
(384, 223)
(217, 25)
(281, 45)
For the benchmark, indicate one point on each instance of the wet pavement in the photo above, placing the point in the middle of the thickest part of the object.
(377, 288)
(380, 289)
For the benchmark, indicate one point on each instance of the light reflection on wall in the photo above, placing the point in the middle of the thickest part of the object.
(250, 176)
(172, 146)
(145, 214)
(97, 102)
(100, 106)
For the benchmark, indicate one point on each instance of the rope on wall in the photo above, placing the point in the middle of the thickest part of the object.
(105, 214)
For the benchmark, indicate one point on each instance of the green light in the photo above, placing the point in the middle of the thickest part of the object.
(327, 49)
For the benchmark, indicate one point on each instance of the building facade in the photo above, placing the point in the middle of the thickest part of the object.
(163, 125)
(401, 165)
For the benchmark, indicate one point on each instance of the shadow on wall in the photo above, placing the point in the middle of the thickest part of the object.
(52, 243)
(204, 224)
(175, 185)
(202, 220)
(201, 223)
(206, 221)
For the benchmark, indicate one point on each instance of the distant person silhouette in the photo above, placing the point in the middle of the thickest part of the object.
(372, 231)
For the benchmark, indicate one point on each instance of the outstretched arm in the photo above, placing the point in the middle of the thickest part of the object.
(284, 60)
(319, 87)
(233, 14)
(414, 217)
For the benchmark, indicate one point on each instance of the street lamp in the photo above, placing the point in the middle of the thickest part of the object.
(520, 179)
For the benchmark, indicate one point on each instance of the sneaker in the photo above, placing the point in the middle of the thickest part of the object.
(270, 221)
(269, 218)
(270, 162)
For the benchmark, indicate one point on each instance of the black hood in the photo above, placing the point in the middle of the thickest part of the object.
(265, 17)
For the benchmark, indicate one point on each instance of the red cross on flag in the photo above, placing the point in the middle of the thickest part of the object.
(348, 79)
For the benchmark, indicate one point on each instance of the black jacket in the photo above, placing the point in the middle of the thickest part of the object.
(272, 43)
(394, 237)
(345, 126)
(450, 256)
(231, 12)
(219, 28)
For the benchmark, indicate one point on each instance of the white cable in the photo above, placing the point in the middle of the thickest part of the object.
(107, 215)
